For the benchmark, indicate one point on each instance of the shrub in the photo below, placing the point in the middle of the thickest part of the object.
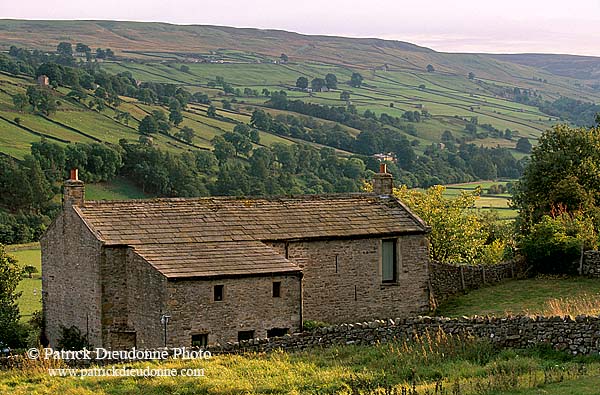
(554, 244)
(72, 339)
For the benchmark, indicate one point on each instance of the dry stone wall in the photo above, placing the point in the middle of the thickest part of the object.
(591, 264)
(446, 280)
(577, 336)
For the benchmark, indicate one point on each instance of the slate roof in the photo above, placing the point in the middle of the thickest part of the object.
(186, 260)
(183, 236)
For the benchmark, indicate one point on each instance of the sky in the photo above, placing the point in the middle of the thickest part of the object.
(507, 26)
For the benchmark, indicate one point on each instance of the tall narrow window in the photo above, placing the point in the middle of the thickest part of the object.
(388, 261)
(218, 293)
(276, 289)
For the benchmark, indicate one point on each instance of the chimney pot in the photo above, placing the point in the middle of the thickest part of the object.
(383, 182)
(73, 190)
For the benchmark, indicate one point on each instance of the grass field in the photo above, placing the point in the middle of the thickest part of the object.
(30, 288)
(117, 189)
(530, 296)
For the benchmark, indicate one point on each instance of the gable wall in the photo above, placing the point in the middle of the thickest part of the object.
(71, 278)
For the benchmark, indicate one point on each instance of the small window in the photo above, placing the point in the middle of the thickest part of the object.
(245, 335)
(388, 261)
(218, 293)
(276, 289)
(277, 332)
(200, 340)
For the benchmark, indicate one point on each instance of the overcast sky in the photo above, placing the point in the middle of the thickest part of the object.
(506, 26)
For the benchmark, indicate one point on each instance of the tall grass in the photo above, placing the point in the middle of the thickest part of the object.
(584, 304)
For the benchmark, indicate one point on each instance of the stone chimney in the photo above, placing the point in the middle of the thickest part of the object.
(383, 181)
(73, 190)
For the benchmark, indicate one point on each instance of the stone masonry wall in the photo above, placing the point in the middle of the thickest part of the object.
(71, 278)
(343, 282)
(447, 279)
(591, 264)
(133, 299)
(248, 304)
(577, 336)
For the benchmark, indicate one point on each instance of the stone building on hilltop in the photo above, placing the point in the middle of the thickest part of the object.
(200, 271)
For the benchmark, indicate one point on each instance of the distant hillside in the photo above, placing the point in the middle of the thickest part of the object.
(573, 66)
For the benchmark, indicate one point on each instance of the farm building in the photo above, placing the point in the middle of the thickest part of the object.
(211, 270)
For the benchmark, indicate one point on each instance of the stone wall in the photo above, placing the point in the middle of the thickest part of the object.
(248, 305)
(71, 278)
(343, 281)
(447, 279)
(591, 264)
(577, 336)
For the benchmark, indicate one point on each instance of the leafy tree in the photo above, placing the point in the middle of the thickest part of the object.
(345, 96)
(562, 171)
(266, 92)
(65, 49)
(100, 53)
(41, 100)
(261, 120)
(29, 271)
(331, 81)
(554, 244)
(148, 125)
(176, 117)
(302, 82)
(284, 58)
(223, 149)
(211, 112)
(523, 145)
(457, 234)
(186, 134)
(241, 143)
(317, 84)
(471, 75)
(20, 101)
(430, 68)
(356, 80)
(10, 276)
(82, 48)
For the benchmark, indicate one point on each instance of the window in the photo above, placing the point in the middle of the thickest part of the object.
(200, 340)
(277, 332)
(276, 289)
(218, 293)
(388, 261)
(245, 335)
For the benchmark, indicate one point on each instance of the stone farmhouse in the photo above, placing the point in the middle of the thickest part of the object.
(204, 271)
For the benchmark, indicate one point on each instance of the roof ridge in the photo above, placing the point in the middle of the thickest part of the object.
(240, 198)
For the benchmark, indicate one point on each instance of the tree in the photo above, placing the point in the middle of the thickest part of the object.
(523, 145)
(562, 171)
(240, 142)
(20, 101)
(345, 96)
(186, 134)
(266, 92)
(100, 53)
(29, 270)
(65, 49)
(148, 125)
(284, 58)
(356, 80)
(458, 235)
(430, 68)
(81, 48)
(331, 81)
(471, 75)
(302, 82)
(317, 84)
(223, 149)
(211, 112)
(10, 275)
(176, 117)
